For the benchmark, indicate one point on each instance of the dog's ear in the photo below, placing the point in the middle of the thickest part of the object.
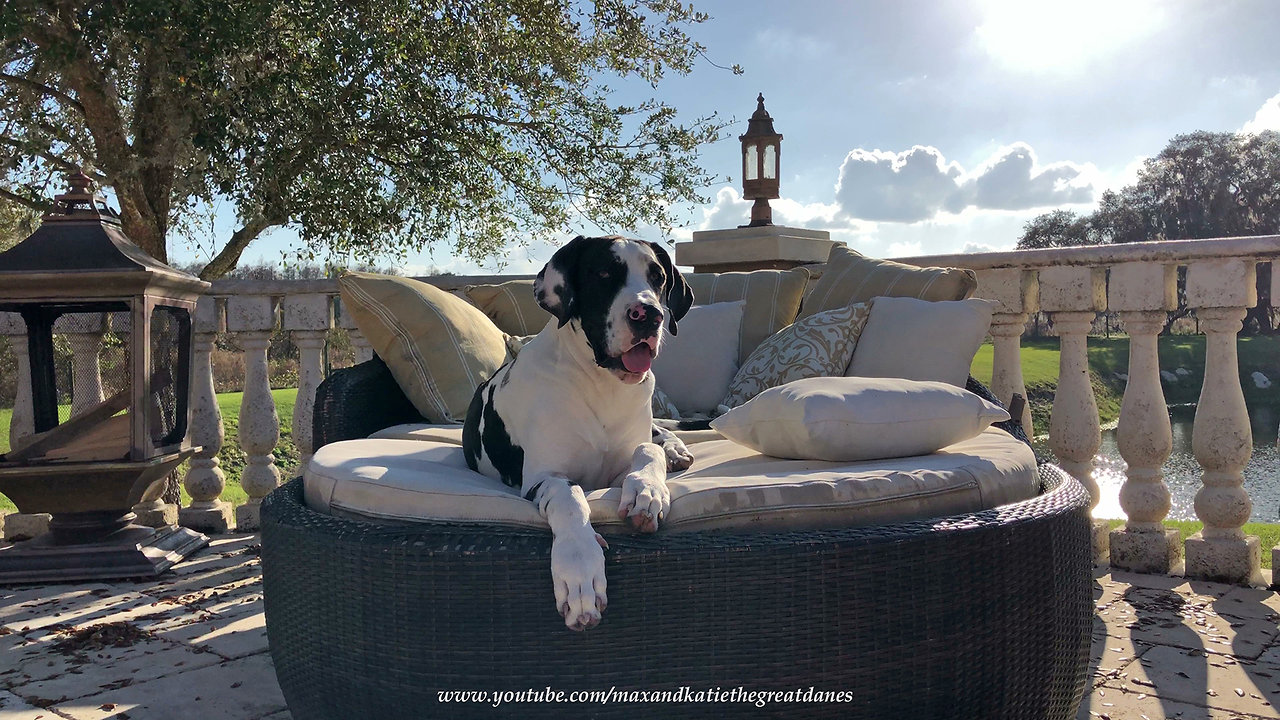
(677, 293)
(554, 288)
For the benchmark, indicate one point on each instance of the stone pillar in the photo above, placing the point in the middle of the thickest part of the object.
(86, 373)
(1074, 296)
(308, 317)
(754, 248)
(363, 350)
(1143, 293)
(204, 480)
(21, 526)
(22, 422)
(253, 318)
(1017, 293)
(1221, 291)
(1275, 299)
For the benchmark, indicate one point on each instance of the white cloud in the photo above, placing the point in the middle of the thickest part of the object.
(920, 184)
(1267, 117)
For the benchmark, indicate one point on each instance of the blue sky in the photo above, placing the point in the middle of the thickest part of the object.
(936, 126)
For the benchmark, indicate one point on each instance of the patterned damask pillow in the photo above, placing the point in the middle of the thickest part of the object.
(820, 345)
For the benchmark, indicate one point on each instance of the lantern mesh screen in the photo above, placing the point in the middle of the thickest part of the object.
(170, 358)
(91, 359)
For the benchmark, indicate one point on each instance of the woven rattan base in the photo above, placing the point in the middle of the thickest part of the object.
(977, 616)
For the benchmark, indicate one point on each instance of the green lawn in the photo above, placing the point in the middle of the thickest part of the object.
(231, 457)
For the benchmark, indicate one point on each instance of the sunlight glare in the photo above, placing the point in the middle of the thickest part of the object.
(1050, 36)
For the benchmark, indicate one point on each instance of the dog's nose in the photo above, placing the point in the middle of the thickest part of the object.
(643, 315)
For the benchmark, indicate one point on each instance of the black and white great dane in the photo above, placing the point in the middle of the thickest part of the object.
(572, 411)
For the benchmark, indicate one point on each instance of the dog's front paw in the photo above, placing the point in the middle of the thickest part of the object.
(678, 455)
(577, 574)
(645, 500)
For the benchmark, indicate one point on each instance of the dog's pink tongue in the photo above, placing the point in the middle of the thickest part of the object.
(637, 359)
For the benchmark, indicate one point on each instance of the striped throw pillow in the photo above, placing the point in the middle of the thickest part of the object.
(851, 277)
(772, 300)
(511, 305)
(438, 348)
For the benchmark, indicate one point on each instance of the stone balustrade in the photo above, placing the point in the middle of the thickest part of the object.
(1070, 285)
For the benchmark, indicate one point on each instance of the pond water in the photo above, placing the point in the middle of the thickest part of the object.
(1182, 473)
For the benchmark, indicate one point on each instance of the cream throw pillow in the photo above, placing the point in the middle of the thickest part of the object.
(851, 277)
(438, 347)
(819, 345)
(918, 340)
(695, 367)
(843, 419)
(772, 299)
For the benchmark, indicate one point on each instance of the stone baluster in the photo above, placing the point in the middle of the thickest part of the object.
(1017, 293)
(359, 343)
(22, 423)
(21, 526)
(1074, 296)
(84, 334)
(1142, 294)
(253, 318)
(204, 480)
(308, 318)
(1221, 291)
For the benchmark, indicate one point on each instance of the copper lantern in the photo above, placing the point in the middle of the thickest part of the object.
(103, 437)
(761, 154)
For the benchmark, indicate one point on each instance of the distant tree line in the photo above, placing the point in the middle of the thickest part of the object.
(1202, 185)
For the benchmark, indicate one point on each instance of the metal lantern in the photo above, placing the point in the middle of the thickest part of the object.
(109, 344)
(761, 154)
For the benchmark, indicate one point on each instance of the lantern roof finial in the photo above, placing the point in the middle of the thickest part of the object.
(80, 202)
(761, 123)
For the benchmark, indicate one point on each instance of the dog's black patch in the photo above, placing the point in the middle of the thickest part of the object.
(505, 456)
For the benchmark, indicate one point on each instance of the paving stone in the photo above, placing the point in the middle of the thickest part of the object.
(234, 690)
(233, 631)
(1164, 617)
(13, 707)
(77, 606)
(1111, 656)
(1210, 680)
(1172, 582)
(282, 715)
(55, 676)
(1117, 705)
(1250, 603)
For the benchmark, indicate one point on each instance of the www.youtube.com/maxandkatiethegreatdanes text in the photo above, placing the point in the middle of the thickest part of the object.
(758, 698)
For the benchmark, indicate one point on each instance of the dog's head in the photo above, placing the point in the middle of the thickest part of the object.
(619, 291)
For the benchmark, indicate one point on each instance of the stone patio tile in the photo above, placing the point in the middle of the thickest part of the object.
(210, 578)
(75, 605)
(233, 690)
(1163, 617)
(1111, 656)
(1190, 677)
(58, 677)
(13, 707)
(1172, 582)
(1245, 602)
(1141, 706)
(1271, 656)
(235, 631)
(282, 715)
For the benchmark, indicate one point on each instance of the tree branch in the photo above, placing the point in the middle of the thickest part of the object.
(61, 162)
(26, 202)
(62, 97)
(227, 258)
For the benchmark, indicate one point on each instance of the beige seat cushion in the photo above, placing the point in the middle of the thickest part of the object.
(695, 366)
(452, 433)
(729, 486)
(772, 299)
(438, 348)
(851, 277)
(511, 305)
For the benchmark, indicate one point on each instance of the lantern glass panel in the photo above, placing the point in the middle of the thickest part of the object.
(770, 162)
(752, 170)
(170, 358)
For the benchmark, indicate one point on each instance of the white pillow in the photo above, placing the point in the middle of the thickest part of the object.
(696, 366)
(921, 340)
(854, 418)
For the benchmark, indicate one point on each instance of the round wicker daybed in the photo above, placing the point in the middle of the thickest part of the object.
(981, 615)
